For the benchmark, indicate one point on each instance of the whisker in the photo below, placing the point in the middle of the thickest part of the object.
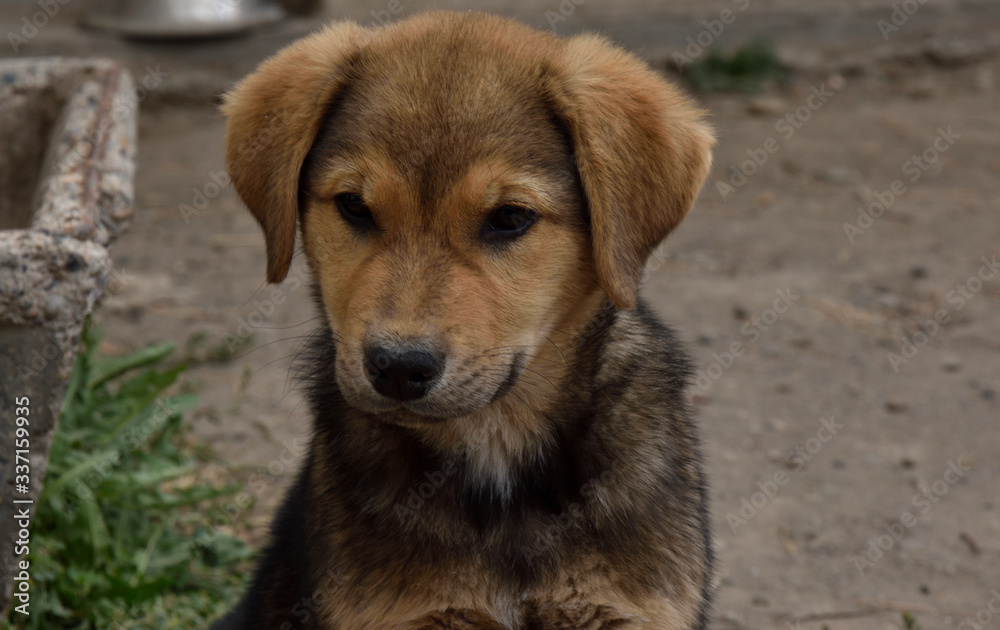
(270, 363)
(300, 373)
(270, 343)
(256, 292)
(252, 296)
(558, 349)
(527, 369)
(499, 352)
(302, 323)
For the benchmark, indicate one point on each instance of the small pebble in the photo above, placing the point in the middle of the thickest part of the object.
(921, 88)
(791, 167)
(954, 51)
(888, 300)
(896, 406)
(732, 617)
(760, 600)
(794, 461)
(770, 350)
(836, 82)
(836, 175)
(765, 199)
(766, 105)
(984, 80)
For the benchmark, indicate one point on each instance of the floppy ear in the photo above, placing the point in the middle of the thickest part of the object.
(274, 116)
(642, 150)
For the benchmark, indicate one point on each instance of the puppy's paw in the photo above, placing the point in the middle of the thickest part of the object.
(581, 617)
(452, 619)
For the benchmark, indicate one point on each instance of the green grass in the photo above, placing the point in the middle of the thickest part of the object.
(747, 69)
(121, 536)
(910, 622)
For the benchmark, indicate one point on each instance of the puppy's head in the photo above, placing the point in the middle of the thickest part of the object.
(468, 190)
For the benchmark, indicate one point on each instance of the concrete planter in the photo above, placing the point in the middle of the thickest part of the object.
(67, 159)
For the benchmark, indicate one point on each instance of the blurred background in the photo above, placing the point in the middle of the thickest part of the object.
(837, 285)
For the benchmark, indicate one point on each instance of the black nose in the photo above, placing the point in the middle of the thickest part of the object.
(402, 373)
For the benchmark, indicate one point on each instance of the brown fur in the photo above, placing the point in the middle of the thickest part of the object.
(554, 403)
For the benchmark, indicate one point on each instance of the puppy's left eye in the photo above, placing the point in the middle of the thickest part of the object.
(353, 209)
(508, 222)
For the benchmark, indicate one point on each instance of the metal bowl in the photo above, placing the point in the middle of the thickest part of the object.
(181, 19)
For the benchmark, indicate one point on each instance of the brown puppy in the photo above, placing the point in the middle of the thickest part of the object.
(500, 434)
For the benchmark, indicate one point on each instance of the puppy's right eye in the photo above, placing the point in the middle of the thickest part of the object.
(353, 209)
(508, 222)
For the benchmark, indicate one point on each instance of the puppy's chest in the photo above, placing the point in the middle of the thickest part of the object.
(485, 562)
(493, 455)
(495, 446)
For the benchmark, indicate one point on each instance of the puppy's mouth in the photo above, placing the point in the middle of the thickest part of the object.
(459, 390)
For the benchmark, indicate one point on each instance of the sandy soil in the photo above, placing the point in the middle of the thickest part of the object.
(848, 377)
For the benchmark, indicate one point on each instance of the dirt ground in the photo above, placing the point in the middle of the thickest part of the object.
(849, 364)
